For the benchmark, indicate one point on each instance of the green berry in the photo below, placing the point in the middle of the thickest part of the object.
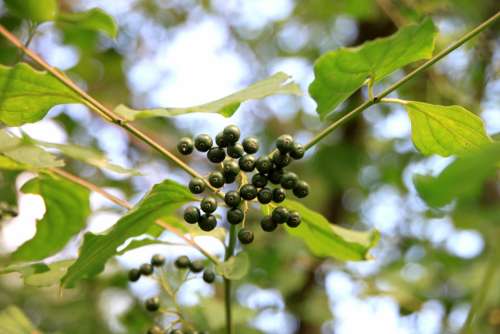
(182, 262)
(230, 167)
(248, 192)
(209, 276)
(289, 180)
(207, 222)
(284, 143)
(281, 160)
(245, 236)
(197, 185)
(155, 330)
(216, 155)
(231, 134)
(264, 164)
(152, 304)
(251, 145)
(196, 266)
(216, 179)
(158, 260)
(259, 180)
(280, 215)
(247, 163)
(134, 275)
(191, 214)
(208, 204)
(265, 195)
(235, 216)
(268, 224)
(185, 146)
(294, 219)
(146, 269)
(235, 151)
(301, 189)
(220, 141)
(275, 176)
(232, 198)
(279, 195)
(229, 178)
(297, 151)
(203, 142)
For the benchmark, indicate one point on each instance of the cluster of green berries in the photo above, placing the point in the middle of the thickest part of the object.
(235, 158)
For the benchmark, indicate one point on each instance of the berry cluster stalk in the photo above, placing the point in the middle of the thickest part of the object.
(227, 282)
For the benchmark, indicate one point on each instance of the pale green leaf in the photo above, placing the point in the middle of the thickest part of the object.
(327, 240)
(39, 274)
(14, 321)
(278, 83)
(94, 19)
(96, 250)
(66, 210)
(26, 95)
(35, 10)
(445, 130)
(338, 74)
(9, 164)
(235, 268)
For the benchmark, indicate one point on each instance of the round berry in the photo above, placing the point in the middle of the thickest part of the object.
(146, 269)
(231, 134)
(268, 224)
(216, 179)
(230, 167)
(275, 176)
(259, 180)
(245, 236)
(251, 145)
(220, 141)
(155, 330)
(185, 146)
(280, 215)
(216, 155)
(279, 195)
(191, 214)
(297, 151)
(232, 198)
(301, 189)
(197, 185)
(284, 143)
(247, 163)
(208, 204)
(248, 192)
(289, 180)
(265, 195)
(235, 216)
(281, 160)
(152, 304)
(182, 262)
(235, 151)
(209, 276)
(264, 164)
(134, 275)
(203, 142)
(196, 266)
(207, 222)
(158, 260)
(294, 219)
(229, 178)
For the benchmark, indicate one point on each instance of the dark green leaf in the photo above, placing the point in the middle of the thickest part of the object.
(94, 19)
(35, 10)
(236, 267)
(13, 321)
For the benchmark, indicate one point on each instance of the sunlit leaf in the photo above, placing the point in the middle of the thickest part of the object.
(278, 83)
(96, 250)
(40, 274)
(14, 321)
(326, 239)
(35, 10)
(236, 267)
(26, 95)
(94, 19)
(66, 210)
(338, 74)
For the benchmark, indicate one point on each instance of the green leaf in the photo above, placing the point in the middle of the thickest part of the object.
(278, 83)
(326, 239)
(94, 19)
(35, 10)
(26, 95)
(40, 274)
(338, 74)
(14, 321)
(66, 210)
(96, 250)
(462, 178)
(18, 154)
(445, 130)
(235, 268)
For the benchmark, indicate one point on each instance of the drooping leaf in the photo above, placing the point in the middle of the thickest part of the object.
(236, 267)
(278, 83)
(66, 210)
(26, 95)
(9, 164)
(40, 274)
(462, 178)
(96, 250)
(35, 10)
(445, 130)
(94, 19)
(14, 321)
(326, 239)
(338, 74)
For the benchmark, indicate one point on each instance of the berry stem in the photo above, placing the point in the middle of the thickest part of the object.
(227, 283)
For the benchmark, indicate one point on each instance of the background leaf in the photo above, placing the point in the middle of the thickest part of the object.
(235, 268)
(93, 19)
(338, 74)
(40, 274)
(13, 321)
(35, 10)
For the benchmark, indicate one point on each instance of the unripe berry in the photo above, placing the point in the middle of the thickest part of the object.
(259, 180)
(203, 142)
(248, 192)
(152, 304)
(230, 167)
(197, 185)
(232, 198)
(235, 151)
(216, 155)
(220, 141)
(196, 266)
(208, 204)
(265, 195)
(245, 236)
(216, 179)
(247, 163)
(191, 214)
(157, 260)
(289, 180)
(235, 216)
(301, 189)
(251, 145)
(207, 222)
(185, 146)
(268, 224)
(209, 275)
(146, 269)
(182, 262)
(231, 134)
(294, 219)
(279, 195)
(284, 143)
(281, 160)
(264, 164)
(280, 215)
(134, 275)
(297, 151)
(275, 176)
